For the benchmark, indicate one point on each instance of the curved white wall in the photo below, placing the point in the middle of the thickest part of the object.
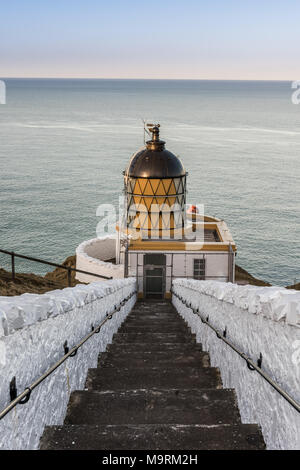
(257, 319)
(33, 330)
(92, 256)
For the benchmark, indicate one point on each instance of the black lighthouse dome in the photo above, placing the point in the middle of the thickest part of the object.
(155, 161)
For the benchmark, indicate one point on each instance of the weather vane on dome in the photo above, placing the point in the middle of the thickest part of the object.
(153, 128)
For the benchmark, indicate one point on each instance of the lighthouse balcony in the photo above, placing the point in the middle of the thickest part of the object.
(98, 256)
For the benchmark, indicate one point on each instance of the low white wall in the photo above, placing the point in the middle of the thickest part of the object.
(92, 256)
(33, 330)
(258, 320)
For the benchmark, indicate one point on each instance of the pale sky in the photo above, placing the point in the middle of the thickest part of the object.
(191, 39)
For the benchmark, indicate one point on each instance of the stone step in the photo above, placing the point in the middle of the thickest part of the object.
(155, 324)
(154, 313)
(113, 378)
(144, 337)
(162, 358)
(153, 437)
(158, 303)
(153, 307)
(153, 407)
(148, 328)
(154, 347)
(156, 319)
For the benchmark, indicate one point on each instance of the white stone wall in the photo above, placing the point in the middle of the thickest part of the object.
(258, 320)
(33, 330)
(92, 256)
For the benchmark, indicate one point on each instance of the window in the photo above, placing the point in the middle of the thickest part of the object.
(199, 268)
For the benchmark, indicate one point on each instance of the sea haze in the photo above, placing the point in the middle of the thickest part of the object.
(65, 143)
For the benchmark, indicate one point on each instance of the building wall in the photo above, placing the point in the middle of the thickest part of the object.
(181, 265)
(33, 330)
(216, 264)
(257, 320)
(92, 256)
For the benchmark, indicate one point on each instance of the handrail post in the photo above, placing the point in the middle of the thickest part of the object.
(13, 274)
(69, 277)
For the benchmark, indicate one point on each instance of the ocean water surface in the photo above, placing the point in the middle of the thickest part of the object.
(65, 143)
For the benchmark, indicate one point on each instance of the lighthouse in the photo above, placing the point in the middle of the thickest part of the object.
(159, 238)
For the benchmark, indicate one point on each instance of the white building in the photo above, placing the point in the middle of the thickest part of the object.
(158, 241)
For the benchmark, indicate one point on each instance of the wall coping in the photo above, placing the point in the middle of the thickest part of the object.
(81, 251)
(275, 303)
(17, 312)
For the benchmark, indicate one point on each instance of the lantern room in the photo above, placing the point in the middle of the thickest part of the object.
(155, 191)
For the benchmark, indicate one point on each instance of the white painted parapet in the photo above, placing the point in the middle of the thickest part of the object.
(93, 255)
(257, 320)
(33, 330)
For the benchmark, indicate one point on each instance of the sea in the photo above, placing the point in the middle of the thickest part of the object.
(64, 144)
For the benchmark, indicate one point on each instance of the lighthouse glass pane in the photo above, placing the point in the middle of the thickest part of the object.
(148, 191)
(154, 184)
(137, 188)
(167, 184)
(160, 189)
(172, 188)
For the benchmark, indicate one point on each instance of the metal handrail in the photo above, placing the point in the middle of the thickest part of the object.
(25, 395)
(39, 260)
(251, 365)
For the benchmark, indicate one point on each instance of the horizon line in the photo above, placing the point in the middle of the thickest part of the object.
(153, 79)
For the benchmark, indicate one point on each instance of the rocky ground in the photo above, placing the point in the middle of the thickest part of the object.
(243, 277)
(295, 286)
(32, 283)
(58, 279)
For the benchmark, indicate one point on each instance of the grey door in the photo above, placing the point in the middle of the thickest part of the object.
(154, 276)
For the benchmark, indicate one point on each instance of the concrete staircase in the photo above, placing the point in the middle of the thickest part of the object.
(153, 389)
